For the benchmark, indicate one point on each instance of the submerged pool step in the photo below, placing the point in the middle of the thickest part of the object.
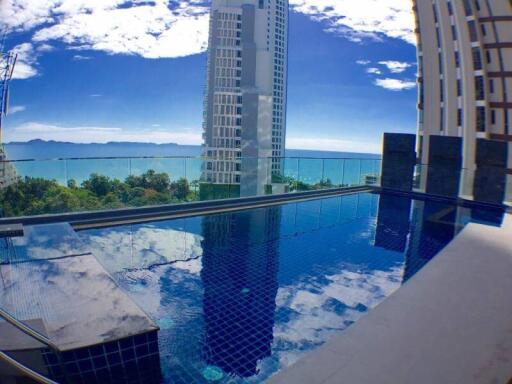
(53, 282)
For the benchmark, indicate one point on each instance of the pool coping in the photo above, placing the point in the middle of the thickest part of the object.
(439, 327)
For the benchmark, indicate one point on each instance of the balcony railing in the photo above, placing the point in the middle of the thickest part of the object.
(35, 187)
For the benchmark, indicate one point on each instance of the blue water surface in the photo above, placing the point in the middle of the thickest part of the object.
(240, 296)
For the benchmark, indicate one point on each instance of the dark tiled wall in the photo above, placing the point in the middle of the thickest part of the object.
(133, 360)
(444, 165)
(399, 158)
(491, 173)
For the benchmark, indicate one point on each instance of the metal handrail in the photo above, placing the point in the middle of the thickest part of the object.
(37, 336)
(27, 330)
(202, 158)
(26, 370)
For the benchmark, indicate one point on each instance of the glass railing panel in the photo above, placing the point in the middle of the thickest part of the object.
(352, 172)
(42, 169)
(193, 171)
(80, 170)
(75, 185)
(370, 172)
(290, 176)
(157, 181)
(333, 173)
(95, 184)
(310, 174)
(37, 187)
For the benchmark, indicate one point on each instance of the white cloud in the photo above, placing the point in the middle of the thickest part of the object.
(374, 71)
(395, 84)
(95, 95)
(362, 19)
(16, 108)
(45, 48)
(395, 66)
(161, 28)
(25, 66)
(325, 144)
(363, 62)
(81, 57)
(177, 28)
(88, 134)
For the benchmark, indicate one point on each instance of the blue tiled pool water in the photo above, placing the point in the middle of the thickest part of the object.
(239, 296)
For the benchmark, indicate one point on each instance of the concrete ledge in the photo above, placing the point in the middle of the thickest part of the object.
(164, 212)
(451, 323)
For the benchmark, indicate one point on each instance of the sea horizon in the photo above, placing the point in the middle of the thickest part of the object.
(39, 149)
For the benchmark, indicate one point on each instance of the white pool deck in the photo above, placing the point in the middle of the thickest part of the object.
(451, 323)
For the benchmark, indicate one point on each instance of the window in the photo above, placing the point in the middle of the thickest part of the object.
(467, 7)
(459, 117)
(477, 59)
(479, 88)
(491, 85)
(472, 31)
(450, 8)
(454, 32)
(488, 57)
(480, 119)
(493, 116)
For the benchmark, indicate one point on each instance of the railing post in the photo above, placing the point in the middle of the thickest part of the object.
(323, 171)
(298, 173)
(343, 173)
(360, 170)
(66, 181)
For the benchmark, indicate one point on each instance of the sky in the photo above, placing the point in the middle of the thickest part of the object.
(134, 70)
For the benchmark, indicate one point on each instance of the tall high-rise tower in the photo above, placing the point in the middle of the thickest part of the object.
(245, 98)
(465, 87)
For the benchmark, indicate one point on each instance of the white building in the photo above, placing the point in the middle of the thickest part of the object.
(465, 77)
(245, 98)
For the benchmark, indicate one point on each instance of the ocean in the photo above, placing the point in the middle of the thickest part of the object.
(63, 161)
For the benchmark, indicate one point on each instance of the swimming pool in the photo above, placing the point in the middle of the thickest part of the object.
(239, 296)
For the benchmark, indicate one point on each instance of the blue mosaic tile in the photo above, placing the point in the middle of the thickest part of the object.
(246, 293)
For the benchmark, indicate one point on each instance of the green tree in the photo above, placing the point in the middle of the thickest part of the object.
(98, 184)
(180, 188)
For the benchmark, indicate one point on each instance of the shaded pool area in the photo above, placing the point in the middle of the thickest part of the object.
(239, 296)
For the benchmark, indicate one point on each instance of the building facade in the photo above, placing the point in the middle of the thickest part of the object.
(465, 85)
(244, 125)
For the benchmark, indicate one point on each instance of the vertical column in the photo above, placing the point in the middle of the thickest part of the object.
(444, 165)
(399, 159)
(491, 171)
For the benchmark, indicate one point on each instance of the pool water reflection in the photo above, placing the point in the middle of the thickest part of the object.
(239, 296)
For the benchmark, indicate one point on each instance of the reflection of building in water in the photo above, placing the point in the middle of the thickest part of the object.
(425, 231)
(393, 223)
(435, 226)
(240, 263)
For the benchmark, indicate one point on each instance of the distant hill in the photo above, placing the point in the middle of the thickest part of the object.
(41, 149)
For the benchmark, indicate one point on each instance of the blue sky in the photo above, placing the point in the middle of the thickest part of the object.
(118, 70)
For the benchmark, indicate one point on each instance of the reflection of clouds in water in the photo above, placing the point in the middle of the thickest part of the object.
(145, 246)
(312, 312)
(48, 241)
